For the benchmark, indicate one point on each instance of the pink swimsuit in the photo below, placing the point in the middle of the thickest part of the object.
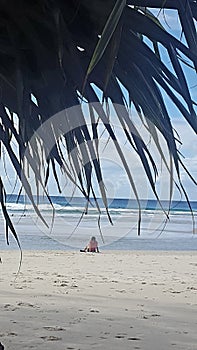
(92, 246)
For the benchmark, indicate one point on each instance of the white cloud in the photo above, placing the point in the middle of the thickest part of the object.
(115, 177)
(117, 180)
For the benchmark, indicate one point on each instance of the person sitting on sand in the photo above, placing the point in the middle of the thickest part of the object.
(92, 246)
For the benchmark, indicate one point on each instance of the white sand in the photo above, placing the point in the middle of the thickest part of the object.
(113, 300)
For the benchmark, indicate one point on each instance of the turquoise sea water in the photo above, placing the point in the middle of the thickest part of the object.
(71, 228)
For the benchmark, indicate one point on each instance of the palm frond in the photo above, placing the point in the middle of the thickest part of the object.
(61, 53)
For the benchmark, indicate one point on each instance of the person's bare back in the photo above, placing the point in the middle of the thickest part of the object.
(92, 246)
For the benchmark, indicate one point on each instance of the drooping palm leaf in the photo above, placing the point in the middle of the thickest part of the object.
(59, 52)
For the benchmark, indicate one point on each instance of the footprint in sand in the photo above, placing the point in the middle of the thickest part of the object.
(27, 305)
(9, 307)
(63, 284)
(51, 338)
(12, 334)
(56, 329)
(120, 335)
(155, 315)
(94, 310)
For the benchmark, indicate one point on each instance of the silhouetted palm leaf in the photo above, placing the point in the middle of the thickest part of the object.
(56, 51)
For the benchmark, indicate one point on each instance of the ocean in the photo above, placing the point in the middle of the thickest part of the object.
(70, 227)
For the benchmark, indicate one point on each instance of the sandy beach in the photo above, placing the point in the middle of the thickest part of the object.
(112, 300)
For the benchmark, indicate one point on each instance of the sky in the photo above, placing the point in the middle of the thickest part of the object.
(115, 177)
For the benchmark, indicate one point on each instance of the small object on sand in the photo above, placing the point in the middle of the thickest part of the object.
(1, 263)
(1, 346)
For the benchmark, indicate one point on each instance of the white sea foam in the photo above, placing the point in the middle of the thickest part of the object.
(70, 227)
